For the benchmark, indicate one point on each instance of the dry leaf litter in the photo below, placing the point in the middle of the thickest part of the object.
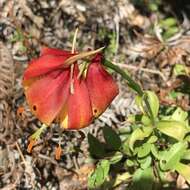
(36, 23)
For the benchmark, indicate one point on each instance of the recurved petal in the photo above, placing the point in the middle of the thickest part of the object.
(54, 51)
(45, 64)
(78, 113)
(48, 95)
(101, 86)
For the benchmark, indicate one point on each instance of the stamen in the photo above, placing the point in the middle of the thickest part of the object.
(72, 66)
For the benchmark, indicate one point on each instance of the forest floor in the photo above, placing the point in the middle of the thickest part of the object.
(149, 40)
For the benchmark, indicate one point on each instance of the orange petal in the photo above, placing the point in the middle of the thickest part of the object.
(101, 86)
(45, 64)
(78, 113)
(47, 96)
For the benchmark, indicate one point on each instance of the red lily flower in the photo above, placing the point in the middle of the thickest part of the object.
(48, 81)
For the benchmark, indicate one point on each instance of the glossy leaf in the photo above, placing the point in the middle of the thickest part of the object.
(147, 162)
(122, 178)
(173, 129)
(143, 150)
(186, 155)
(98, 177)
(116, 158)
(184, 170)
(180, 115)
(139, 134)
(153, 102)
(152, 139)
(155, 152)
(129, 163)
(172, 157)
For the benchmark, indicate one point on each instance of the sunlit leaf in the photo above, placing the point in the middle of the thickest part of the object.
(155, 152)
(172, 157)
(152, 139)
(180, 115)
(143, 150)
(121, 178)
(98, 177)
(147, 162)
(129, 163)
(153, 102)
(173, 129)
(116, 158)
(184, 170)
(180, 69)
(139, 134)
(186, 155)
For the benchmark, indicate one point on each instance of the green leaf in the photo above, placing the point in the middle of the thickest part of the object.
(98, 177)
(121, 178)
(129, 163)
(168, 22)
(153, 7)
(139, 134)
(170, 32)
(111, 138)
(146, 120)
(184, 170)
(131, 83)
(180, 69)
(139, 103)
(143, 150)
(125, 148)
(155, 152)
(153, 102)
(186, 155)
(173, 129)
(96, 148)
(143, 179)
(116, 158)
(152, 139)
(180, 115)
(170, 158)
(147, 162)
(139, 118)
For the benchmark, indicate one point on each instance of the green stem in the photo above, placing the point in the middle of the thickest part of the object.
(132, 84)
(37, 134)
(150, 114)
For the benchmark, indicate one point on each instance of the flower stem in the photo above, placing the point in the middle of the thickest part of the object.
(37, 134)
(132, 84)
